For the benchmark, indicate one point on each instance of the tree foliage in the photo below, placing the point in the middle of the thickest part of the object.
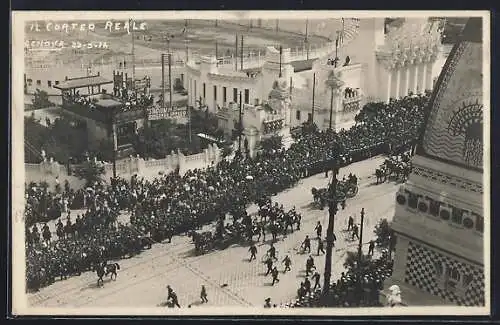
(383, 233)
(351, 261)
(90, 171)
(274, 142)
(41, 99)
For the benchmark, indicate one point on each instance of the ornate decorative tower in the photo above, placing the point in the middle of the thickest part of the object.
(279, 99)
(439, 211)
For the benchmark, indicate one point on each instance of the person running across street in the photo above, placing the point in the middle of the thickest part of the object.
(253, 252)
(274, 274)
(271, 252)
(316, 278)
(287, 263)
(355, 232)
(307, 244)
(203, 294)
(269, 264)
(307, 286)
(173, 297)
(309, 265)
(371, 247)
(321, 247)
(318, 229)
(350, 223)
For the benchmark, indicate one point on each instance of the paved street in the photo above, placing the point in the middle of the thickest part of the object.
(228, 276)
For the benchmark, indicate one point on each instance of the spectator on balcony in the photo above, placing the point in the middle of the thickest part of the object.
(347, 61)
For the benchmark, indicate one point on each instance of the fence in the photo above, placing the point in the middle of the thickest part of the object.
(52, 171)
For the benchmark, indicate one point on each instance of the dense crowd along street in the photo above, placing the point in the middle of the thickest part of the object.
(173, 204)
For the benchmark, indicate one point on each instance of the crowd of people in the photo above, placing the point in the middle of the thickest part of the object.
(354, 288)
(173, 204)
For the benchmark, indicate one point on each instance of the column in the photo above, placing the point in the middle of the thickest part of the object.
(428, 77)
(415, 79)
(389, 85)
(406, 81)
(398, 82)
(423, 78)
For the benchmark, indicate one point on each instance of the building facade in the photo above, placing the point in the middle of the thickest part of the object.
(375, 65)
(439, 216)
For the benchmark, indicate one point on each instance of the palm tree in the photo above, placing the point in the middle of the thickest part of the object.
(335, 84)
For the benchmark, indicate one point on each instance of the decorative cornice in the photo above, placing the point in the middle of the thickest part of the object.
(450, 180)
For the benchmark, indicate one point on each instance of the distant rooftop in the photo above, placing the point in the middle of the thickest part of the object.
(82, 82)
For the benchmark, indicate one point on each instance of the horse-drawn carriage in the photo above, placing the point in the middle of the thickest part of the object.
(345, 190)
(395, 167)
(207, 241)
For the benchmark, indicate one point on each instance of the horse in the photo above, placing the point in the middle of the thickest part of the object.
(380, 174)
(105, 270)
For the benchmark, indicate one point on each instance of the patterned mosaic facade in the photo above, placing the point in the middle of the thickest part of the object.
(458, 282)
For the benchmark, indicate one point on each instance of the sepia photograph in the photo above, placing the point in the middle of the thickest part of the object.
(250, 163)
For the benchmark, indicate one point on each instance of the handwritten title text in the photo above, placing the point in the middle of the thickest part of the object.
(67, 27)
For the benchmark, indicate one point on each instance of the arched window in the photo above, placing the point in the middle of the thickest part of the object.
(455, 275)
(439, 269)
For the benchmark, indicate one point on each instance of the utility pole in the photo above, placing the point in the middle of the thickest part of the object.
(240, 126)
(133, 55)
(170, 88)
(189, 123)
(217, 52)
(236, 53)
(330, 236)
(360, 254)
(331, 110)
(163, 81)
(360, 245)
(115, 141)
(314, 90)
(241, 58)
(306, 40)
(336, 49)
(281, 54)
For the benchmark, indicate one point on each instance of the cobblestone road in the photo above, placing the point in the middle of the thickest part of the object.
(229, 278)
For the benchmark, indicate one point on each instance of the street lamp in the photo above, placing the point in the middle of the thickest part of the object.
(360, 256)
(332, 211)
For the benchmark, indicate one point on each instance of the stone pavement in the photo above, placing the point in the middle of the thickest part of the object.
(228, 276)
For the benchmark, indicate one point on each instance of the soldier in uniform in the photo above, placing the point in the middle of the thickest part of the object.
(287, 263)
(269, 264)
(355, 232)
(320, 246)
(307, 244)
(371, 247)
(309, 265)
(274, 274)
(350, 223)
(318, 229)
(316, 278)
(203, 294)
(253, 252)
(272, 252)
